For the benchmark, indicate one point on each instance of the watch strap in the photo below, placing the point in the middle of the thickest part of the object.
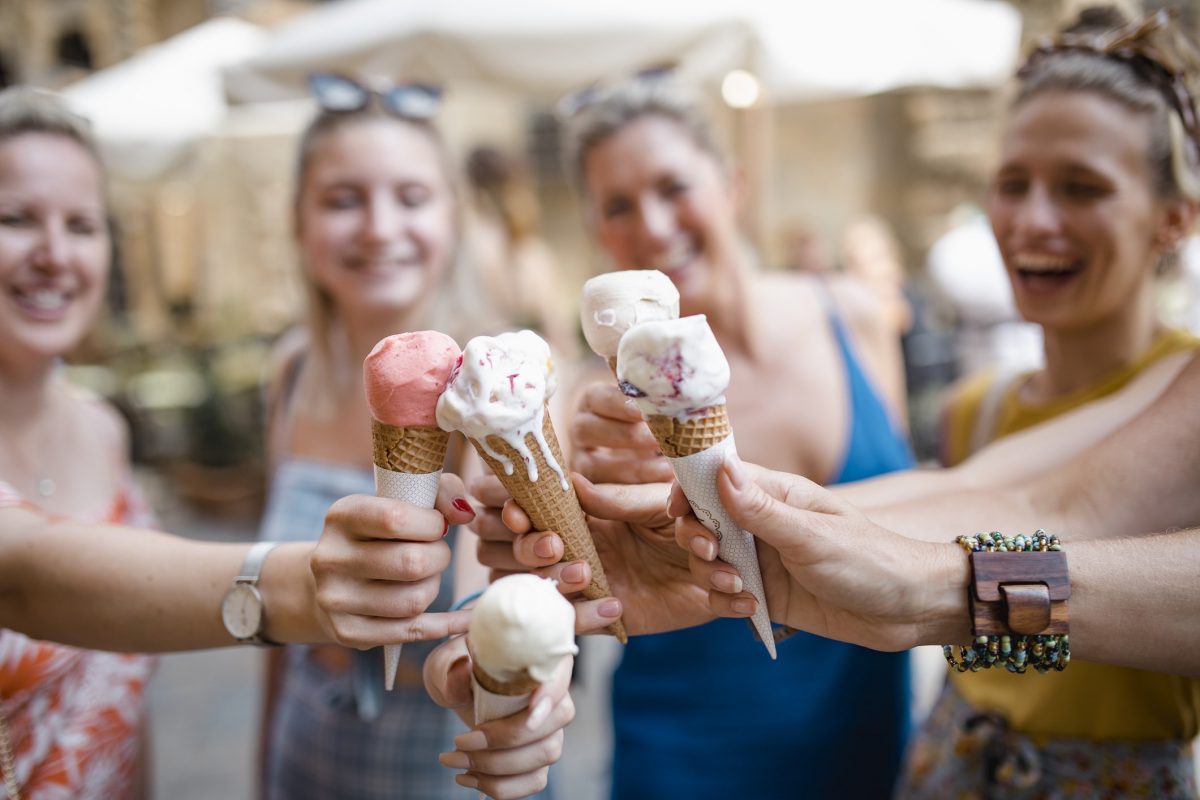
(253, 563)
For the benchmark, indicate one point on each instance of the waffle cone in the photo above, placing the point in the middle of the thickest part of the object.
(684, 438)
(415, 449)
(521, 684)
(550, 507)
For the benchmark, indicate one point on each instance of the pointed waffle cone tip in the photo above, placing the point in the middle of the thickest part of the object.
(678, 438)
(550, 507)
(415, 449)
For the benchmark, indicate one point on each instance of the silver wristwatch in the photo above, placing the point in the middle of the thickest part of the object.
(242, 608)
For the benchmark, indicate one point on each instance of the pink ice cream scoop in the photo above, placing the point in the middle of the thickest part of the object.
(405, 375)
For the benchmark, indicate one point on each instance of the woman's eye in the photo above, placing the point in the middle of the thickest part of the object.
(1082, 191)
(414, 196)
(83, 226)
(616, 208)
(12, 219)
(341, 200)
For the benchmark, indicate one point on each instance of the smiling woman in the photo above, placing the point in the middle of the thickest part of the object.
(73, 716)
(1096, 187)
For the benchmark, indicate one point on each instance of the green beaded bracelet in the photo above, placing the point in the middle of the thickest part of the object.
(1015, 653)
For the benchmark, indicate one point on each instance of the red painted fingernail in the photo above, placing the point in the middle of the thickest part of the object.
(446, 529)
(462, 505)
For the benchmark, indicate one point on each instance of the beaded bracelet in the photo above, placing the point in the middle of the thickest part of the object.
(1016, 653)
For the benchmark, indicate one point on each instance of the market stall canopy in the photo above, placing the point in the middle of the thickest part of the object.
(147, 111)
(801, 50)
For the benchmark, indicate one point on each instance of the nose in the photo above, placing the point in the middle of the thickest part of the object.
(52, 250)
(383, 220)
(658, 220)
(1036, 212)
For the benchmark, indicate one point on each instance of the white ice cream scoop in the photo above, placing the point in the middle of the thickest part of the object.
(673, 367)
(612, 303)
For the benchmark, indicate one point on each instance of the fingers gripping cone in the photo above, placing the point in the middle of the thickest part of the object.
(677, 375)
(550, 506)
(696, 448)
(521, 629)
(497, 398)
(404, 376)
(408, 466)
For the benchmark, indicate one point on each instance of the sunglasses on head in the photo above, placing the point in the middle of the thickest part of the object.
(574, 102)
(341, 94)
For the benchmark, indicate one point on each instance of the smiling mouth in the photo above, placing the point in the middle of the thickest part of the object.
(675, 259)
(1046, 273)
(43, 303)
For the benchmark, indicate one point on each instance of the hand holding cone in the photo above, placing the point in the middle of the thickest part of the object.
(404, 376)
(677, 374)
(498, 400)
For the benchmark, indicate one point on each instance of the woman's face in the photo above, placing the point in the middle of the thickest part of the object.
(54, 246)
(1074, 210)
(658, 200)
(376, 219)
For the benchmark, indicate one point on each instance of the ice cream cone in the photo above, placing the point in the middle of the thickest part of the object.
(495, 698)
(551, 507)
(408, 465)
(696, 448)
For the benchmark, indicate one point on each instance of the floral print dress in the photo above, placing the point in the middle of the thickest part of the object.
(74, 716)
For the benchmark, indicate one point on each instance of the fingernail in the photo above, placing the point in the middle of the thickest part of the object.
(610, 609)
(703, 548)
(539, 714)
(455, 760)
(462, 505)
(469, 781)
(741, 606)
(446, 529)
(544, 546)
(727, 582)
(735, 470)
(573, 573)
(471, 740)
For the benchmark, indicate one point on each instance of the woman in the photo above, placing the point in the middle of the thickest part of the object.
(61, 449)
(1097, 186)
(659, 195)
(376, 226)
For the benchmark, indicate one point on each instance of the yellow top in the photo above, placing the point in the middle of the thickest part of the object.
(1093, 701)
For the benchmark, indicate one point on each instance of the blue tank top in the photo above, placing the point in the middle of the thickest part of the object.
(704, 713)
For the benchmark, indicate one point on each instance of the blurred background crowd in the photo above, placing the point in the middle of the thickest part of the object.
(864, 131)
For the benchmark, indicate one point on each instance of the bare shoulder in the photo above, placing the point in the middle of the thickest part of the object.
(284, 355)
(858, 305)
(786, 296)
(101, 420)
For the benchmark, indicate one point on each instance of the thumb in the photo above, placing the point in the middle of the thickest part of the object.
(756, 511)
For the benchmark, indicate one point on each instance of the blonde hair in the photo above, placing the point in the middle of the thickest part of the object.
(26, 110)
(615, 107)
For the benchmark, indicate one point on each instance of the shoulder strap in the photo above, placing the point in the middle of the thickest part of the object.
(984, 429)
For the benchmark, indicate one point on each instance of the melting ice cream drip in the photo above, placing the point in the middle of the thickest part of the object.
(500, 389)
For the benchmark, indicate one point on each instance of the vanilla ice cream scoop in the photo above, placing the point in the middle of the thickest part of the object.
(673, 367)
(521, 623)
(500, 389)
(616, 301)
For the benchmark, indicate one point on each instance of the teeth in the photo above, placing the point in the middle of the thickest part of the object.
(1043, 263)
(676, 257)
(46, 299)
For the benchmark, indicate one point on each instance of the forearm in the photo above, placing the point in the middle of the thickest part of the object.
(1134, 601)
(117, 588)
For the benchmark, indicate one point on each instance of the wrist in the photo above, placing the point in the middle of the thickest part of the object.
(290, 612)
(945, 615)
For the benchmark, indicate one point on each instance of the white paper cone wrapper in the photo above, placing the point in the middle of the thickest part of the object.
(489, 706)
(421, 491)
(697, 475)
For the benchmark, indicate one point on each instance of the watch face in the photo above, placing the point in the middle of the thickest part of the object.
(241, 611)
